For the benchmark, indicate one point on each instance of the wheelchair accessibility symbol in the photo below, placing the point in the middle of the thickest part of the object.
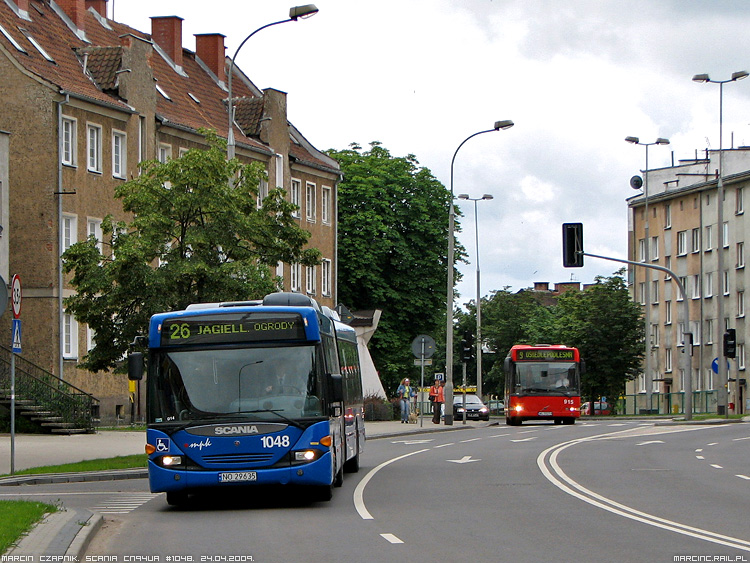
(162, 444)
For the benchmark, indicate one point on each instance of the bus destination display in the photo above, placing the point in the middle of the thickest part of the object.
(545, 355)
(184, 331)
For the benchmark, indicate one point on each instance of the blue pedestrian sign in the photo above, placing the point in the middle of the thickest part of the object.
(16, 330)
(715, 365)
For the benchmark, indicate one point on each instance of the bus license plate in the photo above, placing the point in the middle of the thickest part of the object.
(238, 477)
(545, 413)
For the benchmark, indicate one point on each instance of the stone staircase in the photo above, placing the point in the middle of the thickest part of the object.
(42, 398)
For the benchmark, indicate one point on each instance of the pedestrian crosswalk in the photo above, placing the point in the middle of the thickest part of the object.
(123, 504)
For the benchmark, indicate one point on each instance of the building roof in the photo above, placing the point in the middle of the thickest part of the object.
(86, 60)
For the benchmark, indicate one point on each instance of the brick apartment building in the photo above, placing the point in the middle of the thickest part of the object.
(685, 238)
(84, 99)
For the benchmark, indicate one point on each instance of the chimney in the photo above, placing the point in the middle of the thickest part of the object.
(209, 47)
(76, 11)
(541, 286)
(99, 5)
(166, 31)
(23, 5)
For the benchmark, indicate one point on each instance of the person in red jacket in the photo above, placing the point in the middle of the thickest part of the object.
(437, 398)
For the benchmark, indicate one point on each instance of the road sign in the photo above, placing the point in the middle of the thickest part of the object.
(16, 330)
(715, 365)
(15, 295)
(419, 362)
(423, 344)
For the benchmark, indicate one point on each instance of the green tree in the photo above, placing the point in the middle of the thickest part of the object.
(197, 235)
(393, 229)
(606, 326)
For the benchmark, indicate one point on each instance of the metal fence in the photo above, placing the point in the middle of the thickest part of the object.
(666, 403)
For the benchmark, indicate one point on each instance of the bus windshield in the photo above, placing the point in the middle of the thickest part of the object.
(547, 378)
(263, 383)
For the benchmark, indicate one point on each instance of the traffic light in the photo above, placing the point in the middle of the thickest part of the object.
(573, 245)
(467, 348)
(730, 343)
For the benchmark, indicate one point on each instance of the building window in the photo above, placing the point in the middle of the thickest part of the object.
(294, 275)
(710, 380)
(725, 235)
(654, 248)
(696, 240)
(667, 312)
(668, 266)
(279, 171)
(740, 303)
(709, 284)
(642, 250)
(164, 153)
(654, 336)
(682, 379)
(310, 275)
(696, 286)
(725, 282)
(695, 327)
(70, 337)
(683, 281)
(325, 205)
(667, 216)
(95, 230)
(119, 154)
(325, 267)
(655, 292)
(310, 202)
(641, 382)
(740, 201)
(740, 356)
(709, 331)
(668, 360)
(90, 338)
(69, 141)
(262, 192)
(682, 243)
(642, 293)
(708, 233)
(94, 148)
(740, 254)
(69, 229)
(294, 196)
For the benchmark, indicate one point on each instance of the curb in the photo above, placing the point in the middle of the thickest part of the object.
(84, 476)
(65, 533)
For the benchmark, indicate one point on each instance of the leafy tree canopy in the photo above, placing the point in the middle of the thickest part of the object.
(393, 228)
(197, 235)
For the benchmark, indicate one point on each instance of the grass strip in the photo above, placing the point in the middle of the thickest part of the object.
(17, 517)
(120, 462)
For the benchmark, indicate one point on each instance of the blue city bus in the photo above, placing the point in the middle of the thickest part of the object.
(251, 394)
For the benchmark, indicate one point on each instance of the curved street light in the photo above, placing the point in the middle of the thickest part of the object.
(647, 276)
(295, 13)
(723, 379)
(504, 124)
(479, 290)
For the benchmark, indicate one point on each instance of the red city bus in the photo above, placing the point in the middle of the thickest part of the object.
(543, 382)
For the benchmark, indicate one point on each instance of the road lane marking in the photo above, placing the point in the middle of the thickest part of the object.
(650, 442)
(391, 538)
(359, 502)
(465, 459)
(471, 440)
(699, 457)
(716, 466)
(745, 477)
(740, 439)
(445, 445)
(556, 476)
(525, 439)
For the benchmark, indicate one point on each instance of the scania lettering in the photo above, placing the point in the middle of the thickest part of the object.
(542, 383)
(249, 395)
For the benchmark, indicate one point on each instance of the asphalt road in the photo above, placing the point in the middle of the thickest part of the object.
(600, 491)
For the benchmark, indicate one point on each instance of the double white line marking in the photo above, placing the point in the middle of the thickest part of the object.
(547, 462)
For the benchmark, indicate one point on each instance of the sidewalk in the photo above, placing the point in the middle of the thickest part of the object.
(69, 532)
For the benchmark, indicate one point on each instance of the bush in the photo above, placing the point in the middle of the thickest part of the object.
(377, 408)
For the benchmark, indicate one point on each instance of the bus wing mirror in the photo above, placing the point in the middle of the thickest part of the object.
(135, 366)
(507, 365)
(336, 386)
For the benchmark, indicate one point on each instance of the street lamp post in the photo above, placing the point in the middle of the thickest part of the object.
(505, 124)
(647, 275)
(723, 379)
(295, 13)
(479, 292)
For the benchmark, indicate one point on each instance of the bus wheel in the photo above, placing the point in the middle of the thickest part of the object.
(570, 420)
(177, 498)
(558, 421)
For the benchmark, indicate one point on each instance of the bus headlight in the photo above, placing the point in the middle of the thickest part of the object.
(306, 456)
(170, 460)
(518, 408)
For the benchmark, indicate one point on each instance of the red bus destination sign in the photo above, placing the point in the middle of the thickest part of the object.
(230, 328)
(545, 355)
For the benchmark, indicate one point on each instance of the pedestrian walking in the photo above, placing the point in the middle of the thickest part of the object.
(405, 394)
(437, 398)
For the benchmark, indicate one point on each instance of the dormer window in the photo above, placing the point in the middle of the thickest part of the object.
(36, 45)
(13, 42)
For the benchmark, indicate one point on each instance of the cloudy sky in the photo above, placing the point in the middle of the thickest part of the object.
(576, 77)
